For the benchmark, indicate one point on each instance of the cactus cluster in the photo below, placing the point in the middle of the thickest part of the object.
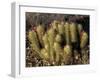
(62, 43)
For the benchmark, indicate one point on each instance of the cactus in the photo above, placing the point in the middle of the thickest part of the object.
(58, 38)
(45, 39)
(80, 28)
(34, 41)
(46, 43)
(84, 40)
(55, 25)
(51, 38)
(67, 54)
(67, 33)
(40, 32)
(44, 54)
(58, 51)
(61, 29)
(73, 32)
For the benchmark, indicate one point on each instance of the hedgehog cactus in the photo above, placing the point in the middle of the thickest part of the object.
(55, 44)
(46, 43)
(58, 51)
(67, 33)
(58, 38)
(73, 32)
(67, 54)
(55, 25)
(51, 38)
(44, 54)
(61, 29)
(80, 28)
(40, 32)
(45, 39)
(34, 41)
(84, 40)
